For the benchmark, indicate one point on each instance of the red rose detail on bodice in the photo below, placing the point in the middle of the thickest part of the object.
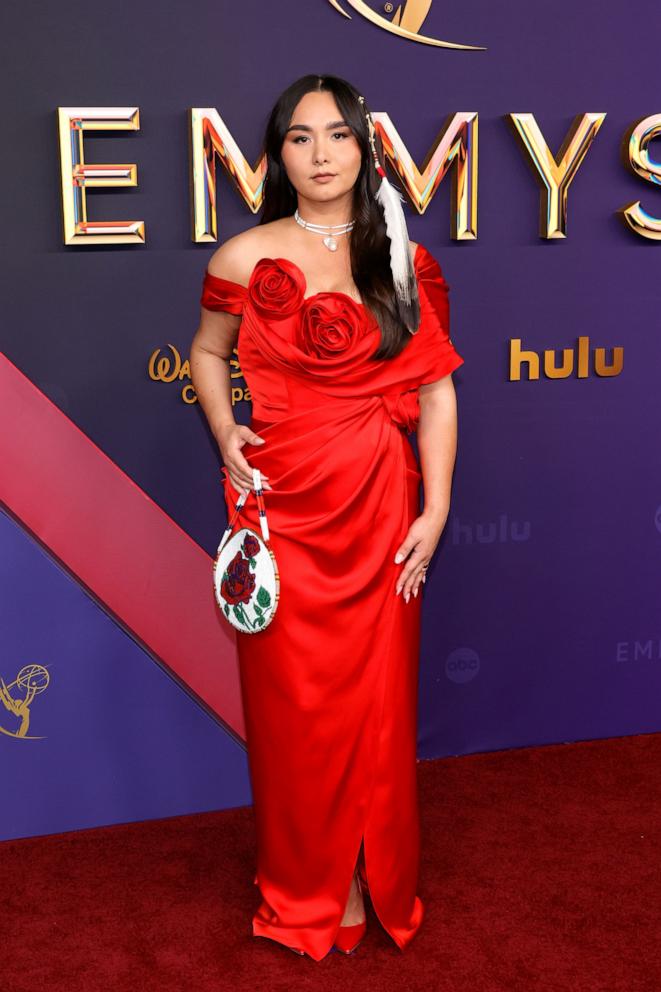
(276, 289)
(330, 324)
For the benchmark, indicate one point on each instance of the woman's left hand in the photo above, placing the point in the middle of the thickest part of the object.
(419, 545)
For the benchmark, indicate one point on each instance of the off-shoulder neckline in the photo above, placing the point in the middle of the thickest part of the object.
(322, 292)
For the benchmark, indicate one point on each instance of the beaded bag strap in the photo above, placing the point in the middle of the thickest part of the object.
(263, 522)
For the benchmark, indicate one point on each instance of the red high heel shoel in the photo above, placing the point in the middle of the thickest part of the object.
(349, 937)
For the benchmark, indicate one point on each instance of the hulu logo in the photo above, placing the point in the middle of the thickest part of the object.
(501, 531)
(554, 368)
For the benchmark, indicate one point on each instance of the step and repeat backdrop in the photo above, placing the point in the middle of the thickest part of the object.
(527, 152)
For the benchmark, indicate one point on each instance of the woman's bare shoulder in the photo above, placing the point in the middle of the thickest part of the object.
(236, 258)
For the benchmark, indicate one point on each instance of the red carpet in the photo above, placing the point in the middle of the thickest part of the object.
(541, 873)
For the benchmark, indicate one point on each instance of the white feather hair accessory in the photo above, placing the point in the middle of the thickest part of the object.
(403, 273)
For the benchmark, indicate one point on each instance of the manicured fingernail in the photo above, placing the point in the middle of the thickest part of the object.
(398, 590)
(408, 596)
(415, 592)
(398, 557)
(424, 578)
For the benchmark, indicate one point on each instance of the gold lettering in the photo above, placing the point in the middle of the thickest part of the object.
(636, 154)
(161, 371)
(600, 366)
(567, 363)
(583, 355)
(518, 357)
(555, 173)
(454, 149)
(78, 176)
(167, 368)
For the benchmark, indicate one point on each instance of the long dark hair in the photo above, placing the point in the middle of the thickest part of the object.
(369, 243)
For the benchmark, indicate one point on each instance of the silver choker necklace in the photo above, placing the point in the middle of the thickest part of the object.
(329, 230)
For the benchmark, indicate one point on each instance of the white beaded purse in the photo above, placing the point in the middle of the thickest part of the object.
(246, 580)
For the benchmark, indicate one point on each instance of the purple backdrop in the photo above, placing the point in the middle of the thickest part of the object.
(541, 614)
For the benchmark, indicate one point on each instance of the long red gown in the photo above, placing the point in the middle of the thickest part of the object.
(330, 686)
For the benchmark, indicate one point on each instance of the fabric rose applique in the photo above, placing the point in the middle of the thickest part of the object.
(404, 408)
(330, 324)
(276, 288)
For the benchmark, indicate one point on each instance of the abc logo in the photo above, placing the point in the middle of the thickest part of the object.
(462, 665)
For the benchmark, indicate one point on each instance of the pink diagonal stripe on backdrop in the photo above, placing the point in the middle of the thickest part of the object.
(132, 557)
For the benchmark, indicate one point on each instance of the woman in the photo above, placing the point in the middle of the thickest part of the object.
(340, 367)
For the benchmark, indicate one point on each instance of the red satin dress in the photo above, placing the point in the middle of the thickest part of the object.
(330, 686)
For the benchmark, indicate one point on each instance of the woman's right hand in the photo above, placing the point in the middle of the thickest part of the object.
(231, 439)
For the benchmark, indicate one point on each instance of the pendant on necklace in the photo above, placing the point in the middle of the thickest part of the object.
(331, 243)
